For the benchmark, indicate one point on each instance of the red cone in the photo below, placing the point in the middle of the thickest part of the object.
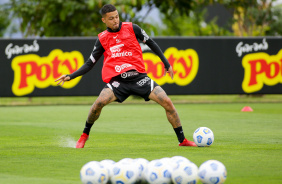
(247, 109)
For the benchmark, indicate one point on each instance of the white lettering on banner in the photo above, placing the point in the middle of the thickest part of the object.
(123, 66)
(246, 48)
(14, 50)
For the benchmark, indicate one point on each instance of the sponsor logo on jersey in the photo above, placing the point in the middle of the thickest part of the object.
(116, 51)
(116, 48)
(121, 54)
(119, 68)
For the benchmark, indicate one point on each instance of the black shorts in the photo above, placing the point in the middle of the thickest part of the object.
(131, 83)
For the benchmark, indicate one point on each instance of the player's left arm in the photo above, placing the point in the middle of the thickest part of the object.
(142, 35)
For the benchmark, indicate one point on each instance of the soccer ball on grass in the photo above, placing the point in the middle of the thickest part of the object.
(124, 173)
(212, 172)
(158, 171)
(93, 172)
(185, 173)
(203, 136)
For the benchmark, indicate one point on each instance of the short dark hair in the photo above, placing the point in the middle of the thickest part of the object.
(107, 8)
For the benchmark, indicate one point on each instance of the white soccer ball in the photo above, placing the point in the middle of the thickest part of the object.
(126, 160)
(203, 136)
(93, 172)
(124, 173)
(142, 165)
(212, 172)
(158, 171)
(108, 164)
(179, 159)
(186, 172)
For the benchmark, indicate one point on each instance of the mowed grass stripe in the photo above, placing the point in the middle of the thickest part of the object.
(37, 141)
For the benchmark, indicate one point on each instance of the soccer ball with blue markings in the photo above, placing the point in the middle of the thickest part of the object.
(212, 172)
(108, 164)
(185, 173)
(142, 165)
(124, 173)
(203, 137)
(158, 171)
(94, 173)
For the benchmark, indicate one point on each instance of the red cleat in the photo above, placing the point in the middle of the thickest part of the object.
(81, 141)
(188, 143)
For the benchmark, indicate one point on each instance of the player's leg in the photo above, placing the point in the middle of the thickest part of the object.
(106, 96)
(158, 95)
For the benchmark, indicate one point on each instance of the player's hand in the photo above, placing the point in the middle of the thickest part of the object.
(62, 79)
(170, 71)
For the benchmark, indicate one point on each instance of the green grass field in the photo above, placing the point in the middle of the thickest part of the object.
(37, 141)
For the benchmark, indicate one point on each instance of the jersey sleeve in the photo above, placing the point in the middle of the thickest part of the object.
(143, 36)
(97, 52)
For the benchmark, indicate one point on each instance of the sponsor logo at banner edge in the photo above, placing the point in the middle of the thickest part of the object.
(16, 50)
(242, 48)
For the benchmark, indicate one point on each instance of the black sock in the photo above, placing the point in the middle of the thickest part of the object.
(180, 134)
(87, 128)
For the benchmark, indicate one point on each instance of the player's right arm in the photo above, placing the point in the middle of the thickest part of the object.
(97, 52)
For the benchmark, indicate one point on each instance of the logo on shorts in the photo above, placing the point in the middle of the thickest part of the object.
(143, 81)
(115, 84)
(129, 74)
(121, 67)
(124, 75)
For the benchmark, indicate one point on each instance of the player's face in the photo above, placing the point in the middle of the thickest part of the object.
(111, 20)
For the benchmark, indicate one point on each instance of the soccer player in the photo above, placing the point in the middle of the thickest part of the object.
(124, 71)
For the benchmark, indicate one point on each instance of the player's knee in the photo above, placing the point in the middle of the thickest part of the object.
(168, 104)
(98, 105)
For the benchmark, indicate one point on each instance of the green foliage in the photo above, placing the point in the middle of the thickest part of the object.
(4, 19)
(179, 18)
(193, 24)
(255, 18)
(275, 24)
(70, 18)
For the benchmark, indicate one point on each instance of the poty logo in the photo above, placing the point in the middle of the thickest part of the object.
(261, 68)
(245, 48)
(11, 50)
(185, 64)
(123, 66)
(32, 71)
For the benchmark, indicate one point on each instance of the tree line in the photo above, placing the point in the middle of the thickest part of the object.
(49, 18)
